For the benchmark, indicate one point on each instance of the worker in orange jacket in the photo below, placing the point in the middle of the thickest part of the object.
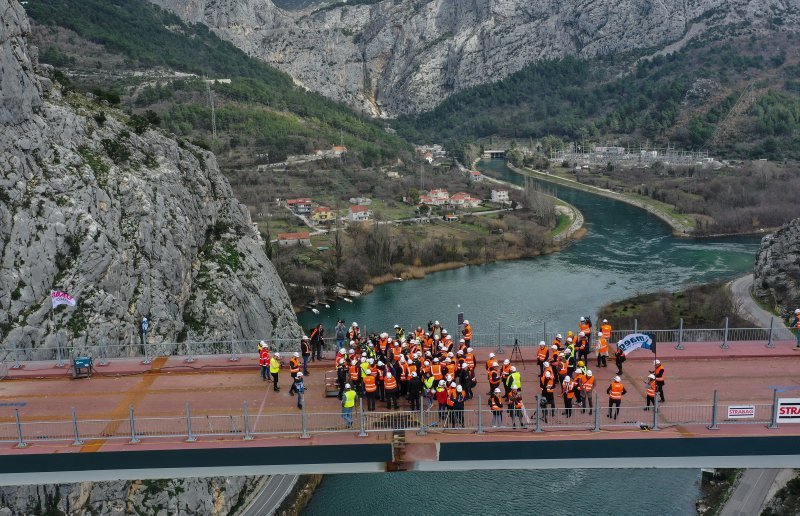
(615, 393)
(263, 359)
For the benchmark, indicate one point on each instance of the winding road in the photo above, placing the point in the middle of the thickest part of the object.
(741, 288)
(271, 495)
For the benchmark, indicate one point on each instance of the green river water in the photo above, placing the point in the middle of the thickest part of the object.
(626, 251)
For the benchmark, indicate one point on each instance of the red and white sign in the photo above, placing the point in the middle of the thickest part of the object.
(741, 411)
(61, 298)
(788, 410)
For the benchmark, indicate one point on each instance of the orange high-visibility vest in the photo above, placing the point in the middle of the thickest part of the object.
(436, 369)
(390, 383)
(602, 345)
(354, 373)
(659, 369)
(369, 383)
(606, 329)
(294, 365)
(651, 389)
(588, 384)
(616, 391)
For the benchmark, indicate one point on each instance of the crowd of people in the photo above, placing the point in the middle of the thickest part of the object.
(433, 368)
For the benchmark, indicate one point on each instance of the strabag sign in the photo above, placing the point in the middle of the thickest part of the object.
(788, 410)
(741, 411)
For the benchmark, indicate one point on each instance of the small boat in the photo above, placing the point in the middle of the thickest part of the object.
(348, 299)
(327, 305)
(315, 311)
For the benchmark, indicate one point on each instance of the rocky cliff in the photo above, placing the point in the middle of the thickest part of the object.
(776, 275)
(126, 219)
(195, 496)
(403, 56)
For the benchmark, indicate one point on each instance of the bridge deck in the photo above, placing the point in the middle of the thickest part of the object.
(745, 373)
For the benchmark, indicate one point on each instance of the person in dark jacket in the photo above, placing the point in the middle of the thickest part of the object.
(341, 376)
(414, 390)
(305, 350)
(317, 342)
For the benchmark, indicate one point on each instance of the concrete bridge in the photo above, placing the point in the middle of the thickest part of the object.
(169, 418)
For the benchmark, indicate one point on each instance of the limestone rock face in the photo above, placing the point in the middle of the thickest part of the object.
(776, 275)
(129, 222)
(406, 56)
(193, 496)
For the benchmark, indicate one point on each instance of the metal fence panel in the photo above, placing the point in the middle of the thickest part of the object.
(8, 432)
(685, 414)
(629, 416)
(577, 418)
(278, 423)
(389, 421)
(48, 431)
(161, 426)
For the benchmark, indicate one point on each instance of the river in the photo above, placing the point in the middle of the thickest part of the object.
(626, 251)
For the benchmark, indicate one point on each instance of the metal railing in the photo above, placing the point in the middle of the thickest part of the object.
(479, 419)
(4, 365)
(235, 349)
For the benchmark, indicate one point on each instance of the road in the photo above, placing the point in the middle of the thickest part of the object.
(271, 495)
(750, 492)
(740, 289)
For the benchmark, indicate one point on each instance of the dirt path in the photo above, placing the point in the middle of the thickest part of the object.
(740, 289)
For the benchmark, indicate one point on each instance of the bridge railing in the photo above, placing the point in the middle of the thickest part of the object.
(238, 424)
(103, 352)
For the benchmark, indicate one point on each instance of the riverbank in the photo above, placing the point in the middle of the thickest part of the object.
(680, 228)
(561, 235)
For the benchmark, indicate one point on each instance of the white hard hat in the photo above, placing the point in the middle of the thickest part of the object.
(353, 362)
(299, 374)
(553, 347)
(347, 386)
(582, 319)
(461, 340)
(441, 383)
(605, 320)
(388, 375)
(341, 361)
(569, 339)
(514, 387)
(491, 355)
(506, 362)
(427, 363)
(459, 388)
(396, 326)
(581, 334)
(460, 352)
(599, 333)
(380, 363)
(497, 389)
(547, 374)
(342, 351)
(444, 331)
(464, 365)
(296, 354)
(466, 321)
(435, 360)
(546, 364)
(277, 355)
(469, 350)
(542, 343)
(389, 339)
(513, 369)
(651, 376)
(616, 378)
(305, 337)
(355, 324)
(363, 359)
(797, 310)
(262, 343)
(588, 372)
(351, 349)
(436, 322)
(567, 378)
(413, 374)
(368, 371)
(371, 360)
(452, 384)
(658, 362)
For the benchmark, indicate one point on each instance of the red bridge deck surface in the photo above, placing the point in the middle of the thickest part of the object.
(744, 373)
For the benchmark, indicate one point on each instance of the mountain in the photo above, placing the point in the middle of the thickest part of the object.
(133, 52)
(126, 219)
(776, 274)
(393, 57)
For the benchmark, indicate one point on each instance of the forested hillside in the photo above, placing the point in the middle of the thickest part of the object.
(128, 50)
(683, 97)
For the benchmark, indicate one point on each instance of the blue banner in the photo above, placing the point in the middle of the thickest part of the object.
(635, 341)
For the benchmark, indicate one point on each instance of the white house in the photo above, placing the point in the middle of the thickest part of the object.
(465, 200)
(359, 213)
(287, 239)
(361, 201)
(500, 196)
(475, 176)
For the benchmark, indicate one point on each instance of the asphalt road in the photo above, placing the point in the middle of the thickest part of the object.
(749, 495)
(271, 495)
(740, 289)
